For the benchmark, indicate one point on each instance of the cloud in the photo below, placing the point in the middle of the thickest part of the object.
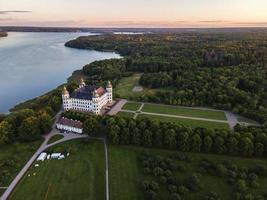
(213, 21)
(3, 12)
(6, 19)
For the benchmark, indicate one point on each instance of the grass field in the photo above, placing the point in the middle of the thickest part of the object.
(13, 158)
(125, 86)
(2, 192)
(126, 174)
(186, 122)
(188, 112)
(79, 176)
(55, 138)
(125, 114)
(132, 106)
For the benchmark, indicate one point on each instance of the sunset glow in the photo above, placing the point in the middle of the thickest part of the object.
(138, 13)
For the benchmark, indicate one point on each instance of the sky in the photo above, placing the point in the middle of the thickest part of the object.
(134, 13)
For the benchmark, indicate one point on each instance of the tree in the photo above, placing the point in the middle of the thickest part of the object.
(219, 146)
(232, 145)
(241, 186)
(114, 134)
(196, 143)
(29, 129)
(6, 132)
(246, 146)
(147, 138)
(193, 183)
(259, 149)
(45, 121)
(207, 144)
(170, 139)
(158, 138)
(136, 137)
(182, 140)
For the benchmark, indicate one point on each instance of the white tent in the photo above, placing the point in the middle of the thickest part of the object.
(42, 156)
(55, 155)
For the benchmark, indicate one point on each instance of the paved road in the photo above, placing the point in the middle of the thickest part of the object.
(117, 108)
(138, 111)
(231, 118)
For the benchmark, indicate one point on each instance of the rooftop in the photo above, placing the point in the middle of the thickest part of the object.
(70, 122)
(86, 92)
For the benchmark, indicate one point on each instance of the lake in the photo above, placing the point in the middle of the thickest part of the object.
(31, 64)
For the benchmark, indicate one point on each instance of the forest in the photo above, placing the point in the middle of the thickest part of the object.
(221, 70)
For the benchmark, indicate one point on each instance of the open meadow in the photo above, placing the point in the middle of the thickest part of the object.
(12, 158)
(128, 173)
(79, 176)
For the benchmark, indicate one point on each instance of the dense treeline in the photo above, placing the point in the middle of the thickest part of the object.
(24, 126)
(222, 70)
(100, 71)
(224, 88)
(251, 141)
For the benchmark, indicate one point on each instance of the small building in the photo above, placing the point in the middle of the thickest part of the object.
(69, 125)
(42, 156)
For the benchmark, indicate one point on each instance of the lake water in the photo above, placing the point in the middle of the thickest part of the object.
(34, 63)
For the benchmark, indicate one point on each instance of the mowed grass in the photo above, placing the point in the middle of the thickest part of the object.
(79, 176)
(124, 89)
(126, 174)
(132, 106)
(12, 159)
(125, 114)
(55, 138)
(188, 112)
(186, 122)
(2, 191)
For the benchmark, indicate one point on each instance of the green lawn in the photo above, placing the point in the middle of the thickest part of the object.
(12, 158)
(124, 89)
(132, 106)
(55, 138)
(126, 173)
(125, 114)
(186, 122)
(79, 176)
(2, 192)
(165, 109)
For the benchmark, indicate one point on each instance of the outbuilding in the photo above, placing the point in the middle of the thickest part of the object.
(69, 125)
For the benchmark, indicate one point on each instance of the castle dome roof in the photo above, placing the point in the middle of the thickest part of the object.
(65, 91)
(109, 85)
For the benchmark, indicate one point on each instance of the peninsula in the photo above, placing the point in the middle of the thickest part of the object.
(3, 34)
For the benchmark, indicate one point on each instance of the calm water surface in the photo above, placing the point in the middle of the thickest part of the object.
(34, 63)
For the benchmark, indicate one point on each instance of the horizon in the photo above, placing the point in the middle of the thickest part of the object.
(138, 14)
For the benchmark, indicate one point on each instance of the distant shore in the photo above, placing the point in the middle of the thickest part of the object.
(3, 34)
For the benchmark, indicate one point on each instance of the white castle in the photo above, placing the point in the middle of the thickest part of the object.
(87, 98)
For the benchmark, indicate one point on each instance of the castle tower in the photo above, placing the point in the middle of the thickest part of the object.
(65, 98)
(109, 92)
(82, 83)
(96, 105)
